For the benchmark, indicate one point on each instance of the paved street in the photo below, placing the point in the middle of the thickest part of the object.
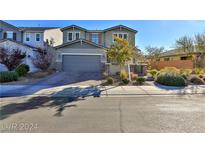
(140, 114)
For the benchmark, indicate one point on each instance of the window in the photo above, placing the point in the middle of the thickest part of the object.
(77, 36)
(38, 37)
(114, 36)
(70, 36)
(95, 38)
(27, 37)
(166, 59)
(9, 35)
(73, 36)
(120, 35)
(184, 58)
(125, 36)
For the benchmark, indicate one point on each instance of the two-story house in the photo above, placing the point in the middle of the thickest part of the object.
(77, 49)
(27, 39)
(85, 50)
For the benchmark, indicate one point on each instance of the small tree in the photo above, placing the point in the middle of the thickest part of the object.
(43, 59)
(120, 52)
(11, 58)
(185, 44)
(153, 54)
(200, 42)
(200, 46)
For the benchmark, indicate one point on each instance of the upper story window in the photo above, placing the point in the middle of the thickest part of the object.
(70, 36)
(38, 37)
(73, 36)
(95, 38)
(77, 35)
(120, 35)
(10, 35)
(27, 37)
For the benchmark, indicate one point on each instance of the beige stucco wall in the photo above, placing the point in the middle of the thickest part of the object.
(65, 33)
(109, 36)
(54, 34)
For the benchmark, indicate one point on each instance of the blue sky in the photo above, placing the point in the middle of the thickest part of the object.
(150, 32)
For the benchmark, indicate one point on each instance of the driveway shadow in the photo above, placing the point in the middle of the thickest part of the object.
(59, 100)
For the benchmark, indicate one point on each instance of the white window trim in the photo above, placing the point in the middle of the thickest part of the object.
(118, 35)
(29, 35)
(39, 37)
(11, 32)
(73, 35)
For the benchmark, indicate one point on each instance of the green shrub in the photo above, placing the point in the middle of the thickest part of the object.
(22, 69)
(123, 75)
(184, 76)
(170, 79)
(196, 80)
(110, 80)
(153, 72)
(125, 81)
(140, 80)
(8, 76)
(26, 67)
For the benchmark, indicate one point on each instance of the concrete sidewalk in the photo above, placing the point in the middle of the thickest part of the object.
(152, 90)
(106, 91)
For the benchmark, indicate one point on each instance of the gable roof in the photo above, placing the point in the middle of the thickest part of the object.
(10, 25)
(73, 26)
(176, 52)
(23, 44)
(36, 28)
(105, 30)
(79, 40)
(121, 26)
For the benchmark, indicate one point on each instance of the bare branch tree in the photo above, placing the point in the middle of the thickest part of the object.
(43, 59)
(185, 44)
(11, 58)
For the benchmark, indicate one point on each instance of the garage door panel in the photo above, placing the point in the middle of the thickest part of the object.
(81, 63)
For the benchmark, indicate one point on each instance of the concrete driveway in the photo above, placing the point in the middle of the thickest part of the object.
(142, 114)
(54, 80)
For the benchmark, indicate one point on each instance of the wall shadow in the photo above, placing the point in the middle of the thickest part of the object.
(66, 98)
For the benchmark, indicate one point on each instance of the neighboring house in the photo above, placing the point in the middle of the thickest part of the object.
(180, 60)
(76, 49)
(28, 50)
(27, 39)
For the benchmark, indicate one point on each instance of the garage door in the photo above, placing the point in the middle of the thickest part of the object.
(82, 64)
